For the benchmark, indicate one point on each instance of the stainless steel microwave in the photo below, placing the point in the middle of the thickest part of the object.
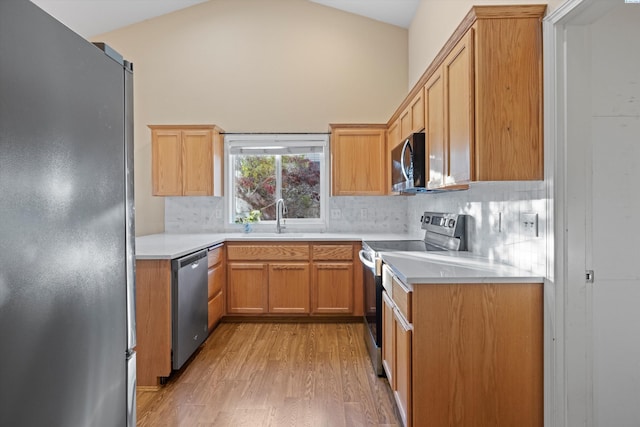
(408, 165)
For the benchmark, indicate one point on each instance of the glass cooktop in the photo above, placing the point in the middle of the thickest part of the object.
(400, 246)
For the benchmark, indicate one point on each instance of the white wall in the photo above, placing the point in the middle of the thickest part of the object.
(256, 66)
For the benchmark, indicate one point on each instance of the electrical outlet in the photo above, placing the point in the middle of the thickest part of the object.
(363, 213)
(529, 222)
(335, 213)
(218, 213)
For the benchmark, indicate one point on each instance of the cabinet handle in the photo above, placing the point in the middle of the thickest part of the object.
(333, 267)
(287, 267)
(401, 320)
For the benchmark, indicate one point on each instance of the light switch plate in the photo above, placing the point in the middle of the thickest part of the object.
(529, 223)
(335, 213)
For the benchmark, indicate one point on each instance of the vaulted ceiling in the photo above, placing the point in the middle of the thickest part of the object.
(89, 18)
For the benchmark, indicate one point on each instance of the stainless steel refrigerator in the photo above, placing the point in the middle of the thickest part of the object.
(67, 323)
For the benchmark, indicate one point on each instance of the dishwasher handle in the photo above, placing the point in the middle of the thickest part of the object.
(193, 260)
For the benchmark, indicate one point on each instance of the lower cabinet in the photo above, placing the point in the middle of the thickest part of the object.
(293, 279)
(397, 348)
(403, 372)
(217, 280)
(388, 340)
(332, 288)
(289, 288)
(247, 288)
(465, 354)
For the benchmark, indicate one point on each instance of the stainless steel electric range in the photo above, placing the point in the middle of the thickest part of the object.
(443, 232)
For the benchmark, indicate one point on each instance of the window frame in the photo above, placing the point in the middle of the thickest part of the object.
(268, 140)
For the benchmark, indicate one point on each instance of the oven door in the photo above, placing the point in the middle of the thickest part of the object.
(372, 310)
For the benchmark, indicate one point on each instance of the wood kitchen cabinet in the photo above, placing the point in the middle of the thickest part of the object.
(217, 278)
(294, 279)
(470, 354)
(388, 339)
(187, 160)
(397, 346)
(268, 278)
(412, 118)
(449, 117)
(483, 99)
(153, 321)
(247, 287)
(393, 140)
(332, 289)
(358, 160)
(289, 287)
(334, 284)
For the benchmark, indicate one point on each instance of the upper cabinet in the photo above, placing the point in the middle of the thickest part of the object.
(482, 99)
(358, 160)
(412, 118)
(187, 160)
(508, 93)
(449, 117)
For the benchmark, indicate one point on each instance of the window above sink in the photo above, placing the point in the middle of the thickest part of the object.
(262, 168)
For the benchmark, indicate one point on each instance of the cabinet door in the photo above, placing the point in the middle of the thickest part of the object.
(393, 139)
(166, 168)
(197, 162)
(458, 77)
(332, 290)
(403, 367)
(405, 124)
(289, 288)
(358, 161)
(247, 288)
(412, 118)
(417, 112)
(215, 310)
(434, 125)
(217, 278)
(388, 339)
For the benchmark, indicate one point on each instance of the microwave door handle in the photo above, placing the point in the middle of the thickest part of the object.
(404, 167)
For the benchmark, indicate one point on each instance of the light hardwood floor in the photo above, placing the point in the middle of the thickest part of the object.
(276, 375)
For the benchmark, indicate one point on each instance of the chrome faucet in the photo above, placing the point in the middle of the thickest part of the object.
(281, 209)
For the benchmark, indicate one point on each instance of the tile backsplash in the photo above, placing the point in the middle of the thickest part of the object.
(495, 226)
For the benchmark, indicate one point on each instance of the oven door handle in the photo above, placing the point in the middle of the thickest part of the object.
(367, 262)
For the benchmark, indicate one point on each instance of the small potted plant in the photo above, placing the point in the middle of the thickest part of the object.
(248, 219)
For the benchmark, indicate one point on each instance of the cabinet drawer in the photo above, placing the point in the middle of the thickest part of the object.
(216, 280)
(402, 297)
(268, 252)
(215, 310)
(215, 256)
(333, 252)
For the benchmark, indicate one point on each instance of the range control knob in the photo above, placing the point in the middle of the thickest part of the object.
(452, 223)
(427, 219)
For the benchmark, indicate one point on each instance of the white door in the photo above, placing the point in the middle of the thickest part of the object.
(612, 207)
(608, 51)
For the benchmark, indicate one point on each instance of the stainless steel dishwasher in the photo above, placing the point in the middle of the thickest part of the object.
(189, 306)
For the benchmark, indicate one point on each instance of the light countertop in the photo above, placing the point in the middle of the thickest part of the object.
(171, 246)
(410, 267)
(453, 267)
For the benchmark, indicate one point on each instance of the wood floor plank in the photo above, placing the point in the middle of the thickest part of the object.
(274, 375)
